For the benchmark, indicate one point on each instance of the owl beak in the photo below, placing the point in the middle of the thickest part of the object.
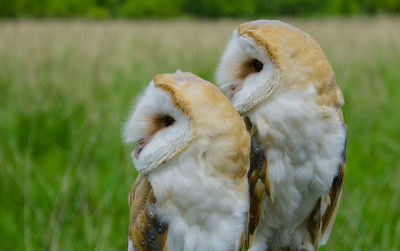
(233, 89)
(139, 147)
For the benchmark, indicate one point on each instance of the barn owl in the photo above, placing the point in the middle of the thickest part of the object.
(192, 153)
(279, 79)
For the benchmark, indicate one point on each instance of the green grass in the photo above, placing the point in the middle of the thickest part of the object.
(66, 88)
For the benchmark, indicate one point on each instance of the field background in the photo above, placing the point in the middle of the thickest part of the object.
(66, 88)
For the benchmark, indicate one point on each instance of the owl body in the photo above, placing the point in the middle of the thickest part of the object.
(301, 164)
(200, 211)
(196, 167)
(277, 77)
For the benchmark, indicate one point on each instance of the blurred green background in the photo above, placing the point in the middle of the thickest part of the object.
(187, 8)
(66, 87)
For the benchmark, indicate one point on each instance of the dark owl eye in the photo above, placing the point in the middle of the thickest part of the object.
(168, 120)
(257, 65)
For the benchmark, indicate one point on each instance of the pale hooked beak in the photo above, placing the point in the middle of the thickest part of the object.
(233, 89)
(139, 147)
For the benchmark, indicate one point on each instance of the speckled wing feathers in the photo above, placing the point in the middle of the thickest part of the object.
(146, 231)
(258, 185)
(320, 225)
(335, 195)
(314, 224)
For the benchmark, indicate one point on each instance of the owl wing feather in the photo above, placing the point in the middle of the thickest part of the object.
(258, 185)
(146, 231)
(321, 220)
(333, 197)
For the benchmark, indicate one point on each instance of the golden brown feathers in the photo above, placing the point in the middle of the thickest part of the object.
(335, 194)
(258, 184)
(146, 231)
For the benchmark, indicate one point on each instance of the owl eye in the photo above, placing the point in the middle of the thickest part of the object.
(257, 65)
(168, 120)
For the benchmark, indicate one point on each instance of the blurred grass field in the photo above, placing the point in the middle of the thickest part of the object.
(66, 88)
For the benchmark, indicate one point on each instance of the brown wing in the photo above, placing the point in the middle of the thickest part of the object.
(258, 185)
(314, 224)
(146, 231)
(320, 222)
(333, 197)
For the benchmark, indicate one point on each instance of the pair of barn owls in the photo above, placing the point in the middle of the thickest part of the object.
(212, 180)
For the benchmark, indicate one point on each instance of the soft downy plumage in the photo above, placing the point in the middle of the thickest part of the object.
(279, 79)
(193, 158)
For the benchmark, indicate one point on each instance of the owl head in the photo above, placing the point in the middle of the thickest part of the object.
(265, 57)
(181, 111)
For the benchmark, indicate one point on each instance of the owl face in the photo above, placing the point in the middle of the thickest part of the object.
(161, 128)
(181, 111)
(265, 56)
(246, 73)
